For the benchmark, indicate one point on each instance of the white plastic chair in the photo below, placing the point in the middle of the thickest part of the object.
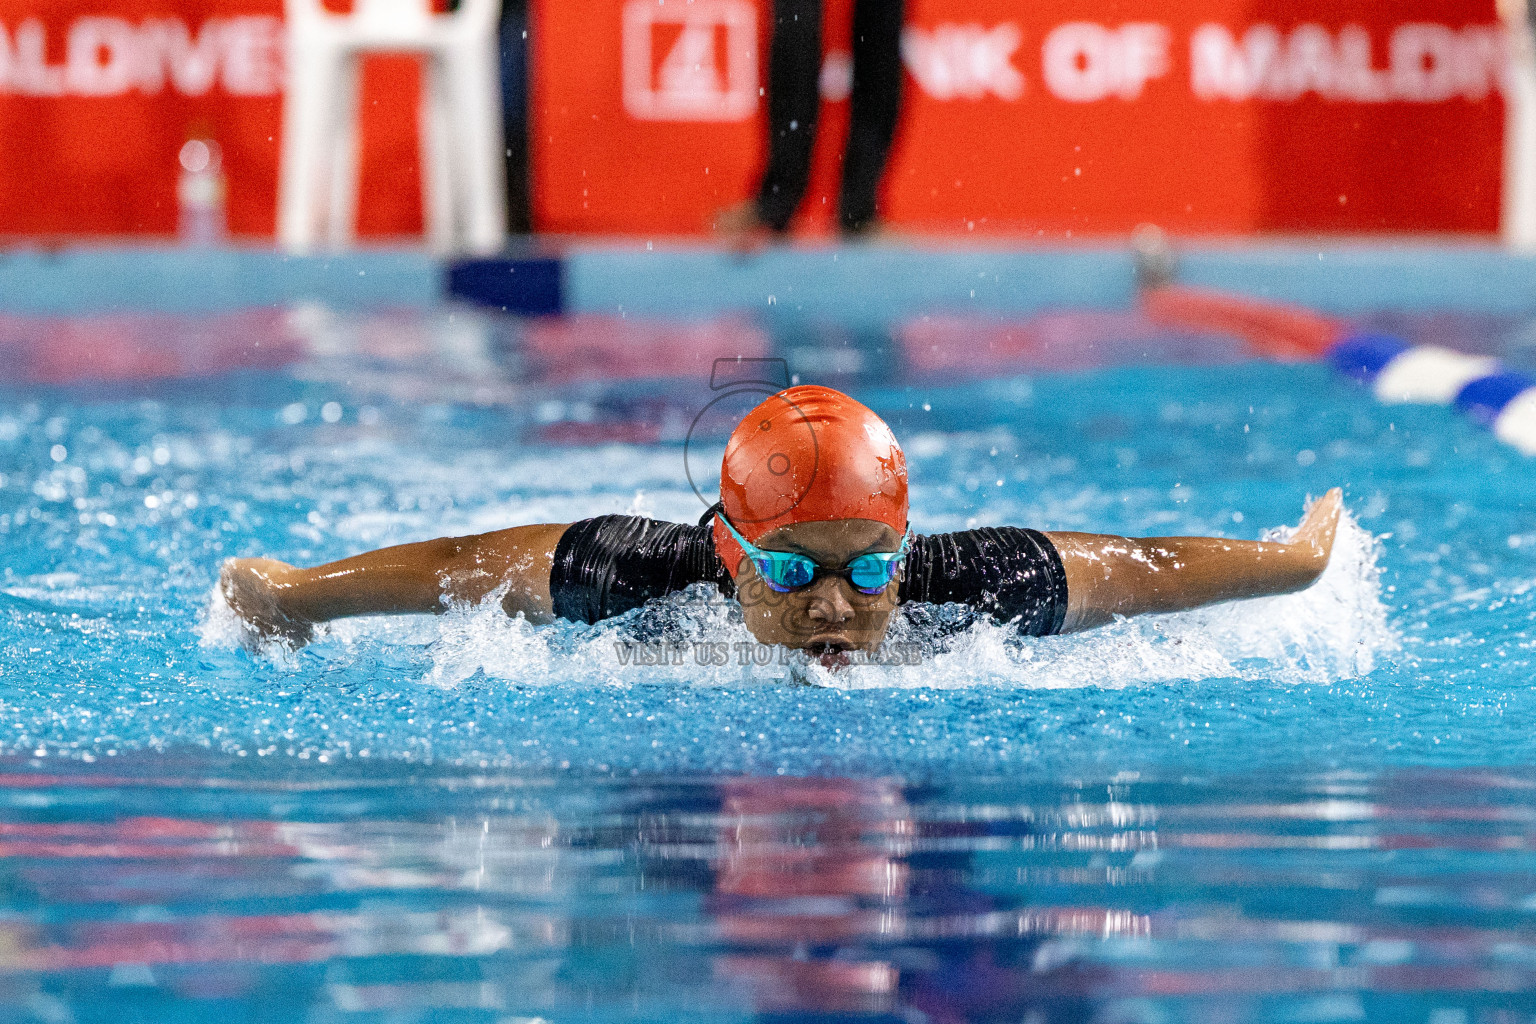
(463, 174)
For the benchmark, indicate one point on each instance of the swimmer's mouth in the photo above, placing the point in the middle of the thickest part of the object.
(832, 654)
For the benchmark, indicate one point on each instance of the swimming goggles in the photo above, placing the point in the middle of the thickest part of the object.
(784, 571)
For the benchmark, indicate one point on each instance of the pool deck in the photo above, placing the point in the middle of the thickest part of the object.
(853, 285)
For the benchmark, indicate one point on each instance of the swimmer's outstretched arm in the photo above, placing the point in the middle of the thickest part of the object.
(281, 600)
(1109, 576)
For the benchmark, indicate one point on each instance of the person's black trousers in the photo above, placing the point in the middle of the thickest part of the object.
(794, 97)
(514, 100)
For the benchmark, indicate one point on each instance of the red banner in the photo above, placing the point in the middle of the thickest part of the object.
(99, 97)
(1054, 118)
(1050, 118)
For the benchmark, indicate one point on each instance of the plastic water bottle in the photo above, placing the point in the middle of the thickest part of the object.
(200, 194)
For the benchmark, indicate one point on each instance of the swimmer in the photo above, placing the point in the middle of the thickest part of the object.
(811, 537)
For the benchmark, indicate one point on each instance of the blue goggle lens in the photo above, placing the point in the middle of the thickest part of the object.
(871, 574)
(788, 572)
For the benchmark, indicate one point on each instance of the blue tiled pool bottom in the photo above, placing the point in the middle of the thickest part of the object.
(1317, 807)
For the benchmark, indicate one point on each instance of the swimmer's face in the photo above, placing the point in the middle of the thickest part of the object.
(830, 616)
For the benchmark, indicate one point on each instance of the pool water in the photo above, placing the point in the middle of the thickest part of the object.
(1307, 808)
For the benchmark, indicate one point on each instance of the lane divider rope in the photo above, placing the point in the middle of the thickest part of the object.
(1397, 371)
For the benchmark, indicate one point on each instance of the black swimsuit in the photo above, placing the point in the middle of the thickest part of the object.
(612, 564)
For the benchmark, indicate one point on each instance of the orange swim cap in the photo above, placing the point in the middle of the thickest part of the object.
(809, 455)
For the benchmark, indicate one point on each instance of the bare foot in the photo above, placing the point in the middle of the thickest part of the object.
(1322, 521)
(742, 231)
(253, 588)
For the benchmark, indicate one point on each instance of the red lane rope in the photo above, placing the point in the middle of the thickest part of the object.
(1274, 329)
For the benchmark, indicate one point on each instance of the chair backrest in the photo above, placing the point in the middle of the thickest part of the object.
(396, 15)
(399, 17)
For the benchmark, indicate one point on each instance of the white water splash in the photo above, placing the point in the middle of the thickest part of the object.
(219, 627)
(703, 647)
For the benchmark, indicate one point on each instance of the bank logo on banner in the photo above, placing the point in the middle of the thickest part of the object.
(110, 56)
(690, 61)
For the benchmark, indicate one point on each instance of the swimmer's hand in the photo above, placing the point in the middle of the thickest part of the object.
(255, 588)
(1315, 534)
(1112, 576)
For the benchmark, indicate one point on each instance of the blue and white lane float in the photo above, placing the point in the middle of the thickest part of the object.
(1398, 372)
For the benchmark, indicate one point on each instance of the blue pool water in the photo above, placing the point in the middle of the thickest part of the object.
(1316, 807)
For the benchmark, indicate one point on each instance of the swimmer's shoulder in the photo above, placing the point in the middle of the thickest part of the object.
(1013, 574)
(608, 565)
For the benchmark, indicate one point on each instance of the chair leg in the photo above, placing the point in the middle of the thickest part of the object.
(463, 166)
(304, 145)
(478, 148)
(341, 228)
(439, 181)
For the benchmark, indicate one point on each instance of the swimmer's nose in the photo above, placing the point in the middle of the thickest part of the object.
(829, 603)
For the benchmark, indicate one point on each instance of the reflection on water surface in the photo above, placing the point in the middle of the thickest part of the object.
(460, 898)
